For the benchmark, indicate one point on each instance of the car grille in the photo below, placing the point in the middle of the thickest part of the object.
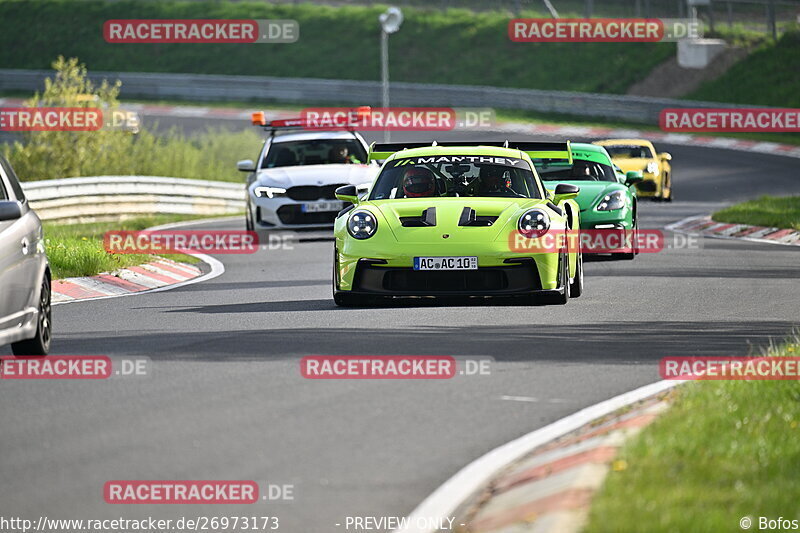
(488, 280)
(293, 214)
(309, 193)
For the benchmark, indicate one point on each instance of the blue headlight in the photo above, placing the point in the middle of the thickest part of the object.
(612, 201)
(362, 224)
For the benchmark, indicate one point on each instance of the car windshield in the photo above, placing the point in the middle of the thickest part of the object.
(456, 176)
(579, 170)
(314, 152)
(630, 151)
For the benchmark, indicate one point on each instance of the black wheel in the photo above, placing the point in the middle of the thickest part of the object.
(576, 287)
(249, 219)
(668, 180)
(635, 252)
(344, 298)
(40, 344)
(559, 298)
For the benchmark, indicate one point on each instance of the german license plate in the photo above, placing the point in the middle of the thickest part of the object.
(445, 263)
(319, 207)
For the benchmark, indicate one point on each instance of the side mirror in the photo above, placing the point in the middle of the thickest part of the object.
(665, 156)
(10, 210)
(633, 176)
(565, 191)
(347, 193)
(246, 165)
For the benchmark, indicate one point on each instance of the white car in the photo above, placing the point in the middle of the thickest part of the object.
(293, 183)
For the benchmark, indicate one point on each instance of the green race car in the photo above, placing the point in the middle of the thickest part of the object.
(458, 218)
(607, 197)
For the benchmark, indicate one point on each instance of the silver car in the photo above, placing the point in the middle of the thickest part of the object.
(25, 319)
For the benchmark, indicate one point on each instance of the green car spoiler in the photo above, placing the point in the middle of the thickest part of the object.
(534, 149)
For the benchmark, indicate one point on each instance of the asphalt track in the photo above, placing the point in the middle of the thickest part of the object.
(225, 399)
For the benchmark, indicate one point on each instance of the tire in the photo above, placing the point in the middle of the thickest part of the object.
(635, 252)
(344, 298)
(669, 179)
(563, 297)
(248, 223)
(39, 344)
(576, 287)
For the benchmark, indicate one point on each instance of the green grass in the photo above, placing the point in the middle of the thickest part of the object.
(769, 76)
(456, 46)
(77, 249)
(724, 450)
(770, 211)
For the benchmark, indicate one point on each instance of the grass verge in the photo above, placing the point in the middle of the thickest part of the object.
(724, 450)
(77, 249)
(770, 211)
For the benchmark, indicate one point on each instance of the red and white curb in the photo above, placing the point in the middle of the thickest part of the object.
(453, 498)
(551, 489)
(729, 143)
(704, 225)
(146, 277)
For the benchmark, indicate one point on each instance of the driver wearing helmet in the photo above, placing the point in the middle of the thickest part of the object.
(418, 182)
(493, 180)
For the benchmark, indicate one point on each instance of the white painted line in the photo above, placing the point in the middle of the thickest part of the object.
(445, 500)
(519, 398)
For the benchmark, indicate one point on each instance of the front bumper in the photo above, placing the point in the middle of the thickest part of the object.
(285, 213)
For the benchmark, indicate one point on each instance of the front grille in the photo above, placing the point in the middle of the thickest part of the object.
(309, 193)
(293, 214)
(488, 280)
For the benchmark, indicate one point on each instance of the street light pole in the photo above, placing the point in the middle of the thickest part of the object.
(390, 21)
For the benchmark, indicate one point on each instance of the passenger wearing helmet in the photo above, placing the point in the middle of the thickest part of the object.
(418, 182)
(493, 180)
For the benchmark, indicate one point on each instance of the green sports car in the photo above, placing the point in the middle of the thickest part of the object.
(458, 218)
(607, 197)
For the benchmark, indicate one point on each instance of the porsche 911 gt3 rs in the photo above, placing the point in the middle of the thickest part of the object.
(442, 220)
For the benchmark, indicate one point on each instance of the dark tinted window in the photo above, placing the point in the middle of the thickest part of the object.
(632, 151)
(580, 170)
(314, 152)
(456, 176)
(12, 177)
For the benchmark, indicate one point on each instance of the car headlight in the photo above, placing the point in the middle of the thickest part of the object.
(534, 223)
(652, 167)
(268, 192)
(362, 224)
(612, 201)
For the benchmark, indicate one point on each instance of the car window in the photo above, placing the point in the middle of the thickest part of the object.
(3, 194)
(12, 178)
(579, 170)
(631, 151)
(314, 152)
(456, 176)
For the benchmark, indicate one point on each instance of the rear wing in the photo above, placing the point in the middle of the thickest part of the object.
(534, 149)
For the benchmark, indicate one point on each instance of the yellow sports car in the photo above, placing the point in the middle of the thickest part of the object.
(641, 155)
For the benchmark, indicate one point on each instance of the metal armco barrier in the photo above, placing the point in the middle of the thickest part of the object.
(106, 197)
(202, 87)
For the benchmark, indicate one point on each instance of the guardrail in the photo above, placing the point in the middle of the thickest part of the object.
(106, 197)
(202, 87)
